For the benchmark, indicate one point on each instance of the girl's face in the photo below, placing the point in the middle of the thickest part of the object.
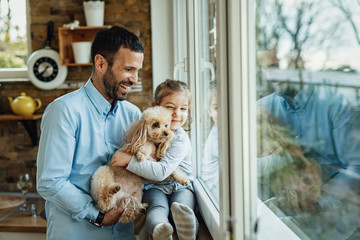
(178, 103)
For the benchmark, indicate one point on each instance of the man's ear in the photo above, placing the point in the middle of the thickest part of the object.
(101, 64)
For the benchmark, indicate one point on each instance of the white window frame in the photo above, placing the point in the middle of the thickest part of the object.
(240, 118)
(18, 74)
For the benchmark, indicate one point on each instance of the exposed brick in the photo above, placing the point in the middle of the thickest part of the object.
(17, 155)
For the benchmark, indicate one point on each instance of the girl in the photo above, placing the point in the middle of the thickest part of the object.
(168, 201)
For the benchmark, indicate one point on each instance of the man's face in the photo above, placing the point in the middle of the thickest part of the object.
(123, 74)
(286, 88)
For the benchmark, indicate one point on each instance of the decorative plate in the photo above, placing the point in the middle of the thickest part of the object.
(7, 201)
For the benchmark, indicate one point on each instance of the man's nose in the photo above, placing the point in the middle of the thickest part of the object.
(134, 78)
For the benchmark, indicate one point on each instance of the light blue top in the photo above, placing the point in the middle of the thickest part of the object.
(79, 133)
(177, 156)
(328, 129)
(323, 123)
(210, 162)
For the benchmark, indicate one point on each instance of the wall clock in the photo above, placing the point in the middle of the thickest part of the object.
(44, 67)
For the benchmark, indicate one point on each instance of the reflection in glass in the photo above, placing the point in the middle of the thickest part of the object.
(208, 134)
(210, 162)
(308, 116)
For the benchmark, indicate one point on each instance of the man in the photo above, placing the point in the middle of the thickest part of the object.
(80, 131)
(327, 128)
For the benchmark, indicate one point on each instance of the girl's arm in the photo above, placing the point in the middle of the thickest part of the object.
(152, 170)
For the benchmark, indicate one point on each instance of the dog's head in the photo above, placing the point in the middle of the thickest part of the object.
(157, 122)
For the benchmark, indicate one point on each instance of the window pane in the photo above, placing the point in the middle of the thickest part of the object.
(206, 88)
(308, 115)
(13, 34)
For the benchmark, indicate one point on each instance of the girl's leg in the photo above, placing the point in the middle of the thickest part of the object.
(183, 205)
(157, 222)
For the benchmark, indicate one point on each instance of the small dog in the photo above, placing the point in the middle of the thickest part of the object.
(111, 187)
(296, 185)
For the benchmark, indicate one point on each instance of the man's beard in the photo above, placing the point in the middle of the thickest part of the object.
(286, 89)
(111, 86)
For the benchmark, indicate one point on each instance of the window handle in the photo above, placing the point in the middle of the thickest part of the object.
(181, 65)
(208, 65)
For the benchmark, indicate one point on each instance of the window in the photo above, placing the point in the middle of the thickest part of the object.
(308, 147)
(13, 39)
(195, 63)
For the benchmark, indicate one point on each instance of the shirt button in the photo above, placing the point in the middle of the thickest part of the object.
(297, 136)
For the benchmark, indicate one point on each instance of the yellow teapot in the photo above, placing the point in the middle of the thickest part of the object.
(24, 105)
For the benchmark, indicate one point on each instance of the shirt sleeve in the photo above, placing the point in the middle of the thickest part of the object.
(158, 171)
(346, 137)
(54, 163)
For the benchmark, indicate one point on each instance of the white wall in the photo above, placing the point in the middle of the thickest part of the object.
(162, 40)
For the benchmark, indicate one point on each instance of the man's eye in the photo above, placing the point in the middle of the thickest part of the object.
(155, 125)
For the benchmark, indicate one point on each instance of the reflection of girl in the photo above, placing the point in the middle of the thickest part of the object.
(210, 163)
(166, 194)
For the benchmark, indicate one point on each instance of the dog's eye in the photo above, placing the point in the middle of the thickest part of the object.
(155, 125)
(166, 125)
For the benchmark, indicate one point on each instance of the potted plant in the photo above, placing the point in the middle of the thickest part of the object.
(94, 12)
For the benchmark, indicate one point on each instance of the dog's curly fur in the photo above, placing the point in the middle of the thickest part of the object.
(111, 187)
(296, 186)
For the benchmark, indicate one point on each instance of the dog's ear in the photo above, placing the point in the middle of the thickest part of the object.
(163, 147)
(135, 137)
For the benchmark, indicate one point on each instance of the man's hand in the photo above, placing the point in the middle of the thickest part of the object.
(120, 159)
(112, 216)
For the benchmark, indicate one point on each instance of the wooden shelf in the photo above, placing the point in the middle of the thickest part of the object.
(28, 122)
(68, 36)
(7, 117)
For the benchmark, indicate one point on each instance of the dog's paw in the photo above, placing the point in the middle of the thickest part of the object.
(114, 189)
(184, 182)
(140, 156)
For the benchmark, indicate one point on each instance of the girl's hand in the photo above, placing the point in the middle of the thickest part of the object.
(120, 159)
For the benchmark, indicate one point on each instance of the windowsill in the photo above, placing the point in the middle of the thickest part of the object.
(208, 211)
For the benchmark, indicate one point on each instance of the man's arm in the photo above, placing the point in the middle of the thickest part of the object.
(54, 164)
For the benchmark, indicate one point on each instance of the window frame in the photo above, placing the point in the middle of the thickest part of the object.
(19, 74)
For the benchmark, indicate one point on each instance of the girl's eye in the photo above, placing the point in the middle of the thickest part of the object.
(184, 109)
(169, 107)
(155, 125)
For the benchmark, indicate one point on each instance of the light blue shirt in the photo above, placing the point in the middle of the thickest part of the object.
(177, 156)
(323, 123)
(328, 128)
(79, 133)
(210, 163)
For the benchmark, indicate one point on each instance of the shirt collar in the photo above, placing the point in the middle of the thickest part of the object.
(101, 104)
(301, 98)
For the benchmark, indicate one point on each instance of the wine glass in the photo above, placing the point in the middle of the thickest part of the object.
(24, 184)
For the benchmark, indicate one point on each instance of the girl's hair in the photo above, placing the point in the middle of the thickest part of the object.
(169, 87)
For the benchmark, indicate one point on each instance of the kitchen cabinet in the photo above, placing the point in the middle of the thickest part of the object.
(67, 36)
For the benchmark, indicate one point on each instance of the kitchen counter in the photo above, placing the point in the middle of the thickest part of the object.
(22, 221)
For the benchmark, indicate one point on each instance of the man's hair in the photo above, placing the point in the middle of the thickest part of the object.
(108, 41)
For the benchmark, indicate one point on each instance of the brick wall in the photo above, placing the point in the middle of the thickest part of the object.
(16, 151)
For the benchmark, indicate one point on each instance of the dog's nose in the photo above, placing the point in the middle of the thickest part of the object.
(166, 134)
